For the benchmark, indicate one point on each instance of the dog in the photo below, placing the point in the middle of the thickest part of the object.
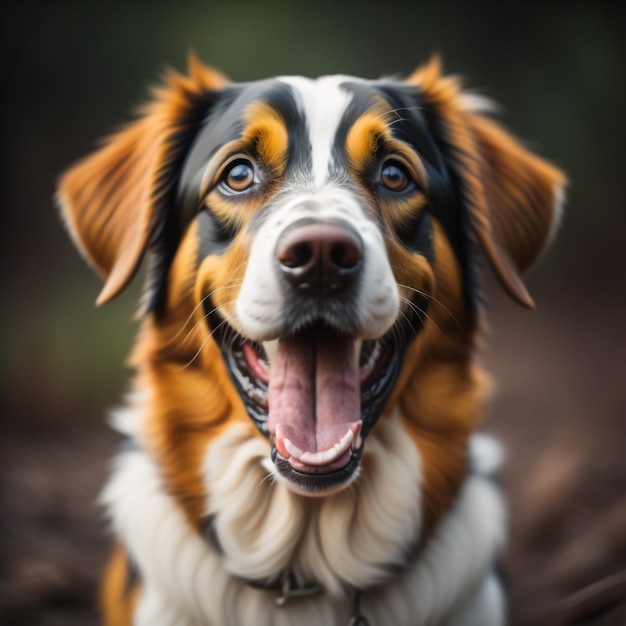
(300, 437)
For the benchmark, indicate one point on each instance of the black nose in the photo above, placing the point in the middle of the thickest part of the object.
(322, 257)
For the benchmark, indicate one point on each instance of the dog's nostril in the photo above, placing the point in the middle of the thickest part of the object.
(320, 255)
(297, 255)
(346, 254)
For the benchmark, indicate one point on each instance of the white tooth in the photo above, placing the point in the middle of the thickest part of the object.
(271, 349)
(359, 441)
(358, 344)
(325, 456)
(373, 357)
(328, 455)
(293, 449)
(346, 442)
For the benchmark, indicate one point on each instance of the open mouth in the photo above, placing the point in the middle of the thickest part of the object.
(316, 394)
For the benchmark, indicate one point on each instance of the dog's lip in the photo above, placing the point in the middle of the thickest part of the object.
(321, 483)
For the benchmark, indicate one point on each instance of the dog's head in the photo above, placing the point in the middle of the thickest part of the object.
(315, 232)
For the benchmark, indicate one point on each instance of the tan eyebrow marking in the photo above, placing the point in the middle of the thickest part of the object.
(372, 131)
(365, 136)
(264, 137)
(267, 133)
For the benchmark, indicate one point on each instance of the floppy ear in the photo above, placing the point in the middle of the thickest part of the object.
(112, 200)
(512, 196)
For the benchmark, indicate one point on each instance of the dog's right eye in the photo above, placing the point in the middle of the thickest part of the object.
(238, 177)
(394, 177)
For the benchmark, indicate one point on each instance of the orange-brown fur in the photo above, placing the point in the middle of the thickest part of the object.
(118, 594)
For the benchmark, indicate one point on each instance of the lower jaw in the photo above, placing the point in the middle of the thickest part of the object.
(320, 482)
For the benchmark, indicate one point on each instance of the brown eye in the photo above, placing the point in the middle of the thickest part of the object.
(394, 176)
(238, 177)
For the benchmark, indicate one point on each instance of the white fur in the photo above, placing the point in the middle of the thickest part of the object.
(485, 454)
(259, 304)
(350, 537)
(477, 103)
(322, 102)
(128, 418)
(557, 212)
(485, 606)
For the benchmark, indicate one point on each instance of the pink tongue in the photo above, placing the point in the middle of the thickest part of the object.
(314, 390)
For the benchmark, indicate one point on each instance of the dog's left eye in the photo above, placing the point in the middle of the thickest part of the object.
(238, 177)
(394, 176)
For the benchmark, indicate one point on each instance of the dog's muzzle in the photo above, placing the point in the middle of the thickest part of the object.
(317, 390)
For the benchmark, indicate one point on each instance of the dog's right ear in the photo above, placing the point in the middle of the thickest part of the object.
(109, 200)
(511, 197)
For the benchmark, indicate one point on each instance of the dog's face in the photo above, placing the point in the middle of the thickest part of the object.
(321, 234)
(315, 207)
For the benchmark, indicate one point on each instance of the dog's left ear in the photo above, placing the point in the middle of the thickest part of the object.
(111, 201)
(513, 197)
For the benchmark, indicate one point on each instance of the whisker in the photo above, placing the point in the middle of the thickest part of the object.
(180, 330)
(408, 321)
(204, 318)
(433, 299)
(201, 303)
(418, 310)
(204, 343)
(395, 112)
(269, 478)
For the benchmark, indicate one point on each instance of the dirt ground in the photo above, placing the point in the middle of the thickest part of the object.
(558, 408)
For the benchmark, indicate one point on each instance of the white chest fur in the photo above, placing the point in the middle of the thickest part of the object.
(351, 539)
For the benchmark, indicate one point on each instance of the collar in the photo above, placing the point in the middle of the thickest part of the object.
(289, 588)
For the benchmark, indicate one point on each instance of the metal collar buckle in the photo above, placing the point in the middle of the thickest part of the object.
(288, 591)
(357, 619)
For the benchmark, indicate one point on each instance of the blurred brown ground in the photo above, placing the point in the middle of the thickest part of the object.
(71, 73)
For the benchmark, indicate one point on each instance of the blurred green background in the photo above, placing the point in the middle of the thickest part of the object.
(73, 71)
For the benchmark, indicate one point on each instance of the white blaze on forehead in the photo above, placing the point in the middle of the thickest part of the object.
(323, 103)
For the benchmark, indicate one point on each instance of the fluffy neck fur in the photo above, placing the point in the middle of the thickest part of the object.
(356, 538)
(264, 529)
